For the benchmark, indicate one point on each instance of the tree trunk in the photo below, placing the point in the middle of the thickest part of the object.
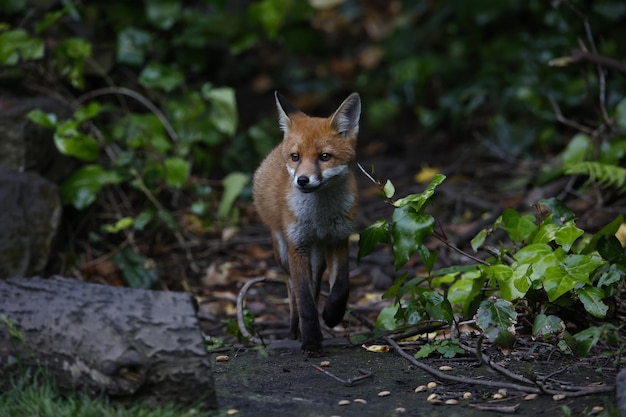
(135, 344)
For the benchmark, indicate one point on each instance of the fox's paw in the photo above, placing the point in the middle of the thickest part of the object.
(312, 351)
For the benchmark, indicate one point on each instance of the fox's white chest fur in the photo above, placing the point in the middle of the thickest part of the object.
(321, 215)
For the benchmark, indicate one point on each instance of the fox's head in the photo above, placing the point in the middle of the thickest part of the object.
(318, 151)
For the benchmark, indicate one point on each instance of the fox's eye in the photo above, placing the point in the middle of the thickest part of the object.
(295, 157)
(324, 157)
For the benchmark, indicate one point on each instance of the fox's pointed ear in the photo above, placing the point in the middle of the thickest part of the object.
(285, 108)
(345, 120)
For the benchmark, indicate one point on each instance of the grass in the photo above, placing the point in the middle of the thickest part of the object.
(37, 396)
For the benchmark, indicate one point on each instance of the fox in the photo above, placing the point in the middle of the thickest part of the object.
(305, 191)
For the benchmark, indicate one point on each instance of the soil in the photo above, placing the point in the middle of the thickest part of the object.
(278, 381)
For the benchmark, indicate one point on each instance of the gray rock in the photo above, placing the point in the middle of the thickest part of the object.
(30, 209)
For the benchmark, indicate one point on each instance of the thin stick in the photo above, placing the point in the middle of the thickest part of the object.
(240, 300)
(140, 98)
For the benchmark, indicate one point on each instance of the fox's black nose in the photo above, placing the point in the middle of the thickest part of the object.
(303, 180)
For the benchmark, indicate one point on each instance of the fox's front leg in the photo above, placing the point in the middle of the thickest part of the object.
(300, 271)
(338, 256)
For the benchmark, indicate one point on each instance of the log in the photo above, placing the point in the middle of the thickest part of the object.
(130, 344)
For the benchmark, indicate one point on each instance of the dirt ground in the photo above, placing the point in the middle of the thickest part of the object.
(278, 381)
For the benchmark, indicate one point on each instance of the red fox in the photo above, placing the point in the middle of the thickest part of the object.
(305, 191)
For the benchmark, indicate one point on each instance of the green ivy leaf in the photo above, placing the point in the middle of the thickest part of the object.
(573, 272)
(576, 149)
(428, 257)
(419, 200)
(389, 189)
(223, 111)
(16, 44)
(409, 229)
(156, 75)
(270, 13)
(567, 235)
(608, 230)
(69, 141)
(610, 248)
(519, 228)
(233, 185)
(376, 233)
(591, 297)
(87, 112)
(163, 13)
(176, 171)
(42, 118)
(467, 291)
(122, 224)
(478, 240)
(82, 187)
(394, 290)
(497, 318)
(560, 213)
(138, 272)
(387, 318)
(547, 327)
(132, 46)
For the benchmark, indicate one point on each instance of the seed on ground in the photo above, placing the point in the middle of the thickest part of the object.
(497, 396)
(445, 368)
(431, 385)
(325, 364)
(400, 410)
(344, 402)
(597, 409)
(360, 401)
(384, 393)
(530, 397)
(558, 397)
(467, 395)
(432, 397)
(451, 401)
(232, 412)
(421, 388)
(222, 358)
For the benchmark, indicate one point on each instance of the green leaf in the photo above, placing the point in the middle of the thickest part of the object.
(409, 229)
(467, 291)
(87, 112)
(591, 297)
(375, 234)
(547, 327)
(163, 13)
(176, 171)
(132, 46)
(82, 187)
(560, 213)
(16, 44)
(42, 118)
(573, 272)
(478, 240)
(608, 230)
(389, 189)
(610, 248)
(387, 318)
(155, 75)
(223, 112)
(519, 228)
(419, 200)
(233, 185)
(576, 149)
(69, 141)
(394, 290)
(497, 318)
(122, 224)
(567, 235)
(270, 14)
(428, 258)
(138, 271)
